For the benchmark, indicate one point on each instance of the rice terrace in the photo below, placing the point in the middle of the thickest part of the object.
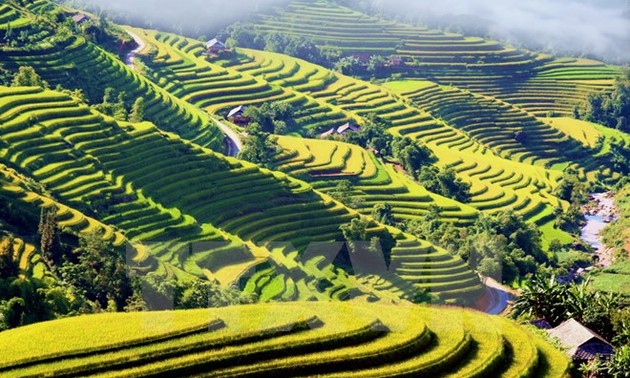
(335, 188)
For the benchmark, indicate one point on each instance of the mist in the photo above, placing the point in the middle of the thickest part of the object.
(193, 18)
(592, 28)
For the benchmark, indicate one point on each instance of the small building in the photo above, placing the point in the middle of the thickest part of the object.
(214, 47)
(341, 130)
(80, 18)
(237, 115)
(582, 344)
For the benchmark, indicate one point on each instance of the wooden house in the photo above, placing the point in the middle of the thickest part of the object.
(581, 343)
(214, 47)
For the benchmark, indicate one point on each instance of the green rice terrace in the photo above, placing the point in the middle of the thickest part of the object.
(323, 339)
(348, 193)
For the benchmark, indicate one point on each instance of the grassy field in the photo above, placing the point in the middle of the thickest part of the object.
(615, 278)
(323, 339)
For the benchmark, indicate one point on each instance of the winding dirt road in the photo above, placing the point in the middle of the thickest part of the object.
(130, 59)
(234, 144)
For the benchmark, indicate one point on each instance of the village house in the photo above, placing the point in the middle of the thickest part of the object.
(214, 47)
(237, 115)
(341, 130)
(80, 18)
(582, 344)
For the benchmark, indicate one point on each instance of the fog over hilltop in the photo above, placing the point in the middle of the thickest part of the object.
(596, 28)
(599, 28)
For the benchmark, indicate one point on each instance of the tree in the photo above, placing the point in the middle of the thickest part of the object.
(383, 213)
(27, 77)
(411, 155)
(202, 294)
(619, 364)
(137, 111)
(259, 147)
(50, 243)
(100, 272)
(355, 231)
(444, 182)
(8, 267)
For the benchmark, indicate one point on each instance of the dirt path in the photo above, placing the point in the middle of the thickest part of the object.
(233, 140)
(496, 298)
(130, 59)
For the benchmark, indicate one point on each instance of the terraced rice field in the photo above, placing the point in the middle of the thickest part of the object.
(457, 125)
(290, 339)
(535, 82)
(173, 193)
(324, 163)
(74, 62)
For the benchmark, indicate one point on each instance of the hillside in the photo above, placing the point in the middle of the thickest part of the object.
(324, 339)
(369, 171)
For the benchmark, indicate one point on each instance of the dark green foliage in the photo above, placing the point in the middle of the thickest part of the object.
(619, 156)
(273, 117)
(8, 267)
(259, 147)
(137, 111)
(344, 193)
(245, 34)
(115, 109)
(383, 213)
(50, 243)
(444, 182)
(98, 270)
(612, 110)
(373, 134)
(355, 231)
(203, 294)
(574, 191)
(412, 155)
(27, 77)
(503, 246)
(545, 297)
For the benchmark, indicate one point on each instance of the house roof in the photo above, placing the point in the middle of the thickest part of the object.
(214, 42)
(79, 17)
(340, 130)
(236, 111)
(580, 341)
(347, 127)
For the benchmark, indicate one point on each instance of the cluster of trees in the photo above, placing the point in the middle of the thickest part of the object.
(612, 110)
(245, 34)
(259, 147)
(115, 106)
(86, 274)
(607, 314)
(575, 192)
(275, 117)
(415, 158)
(502, 246)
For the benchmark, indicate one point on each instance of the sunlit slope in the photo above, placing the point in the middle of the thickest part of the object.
(179, 65)
(289, 339)
(538, 83)
(500, 181)
(168, 192)
(73, 62)
(325, 163)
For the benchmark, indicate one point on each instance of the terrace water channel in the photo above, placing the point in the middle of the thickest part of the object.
(599, 212)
